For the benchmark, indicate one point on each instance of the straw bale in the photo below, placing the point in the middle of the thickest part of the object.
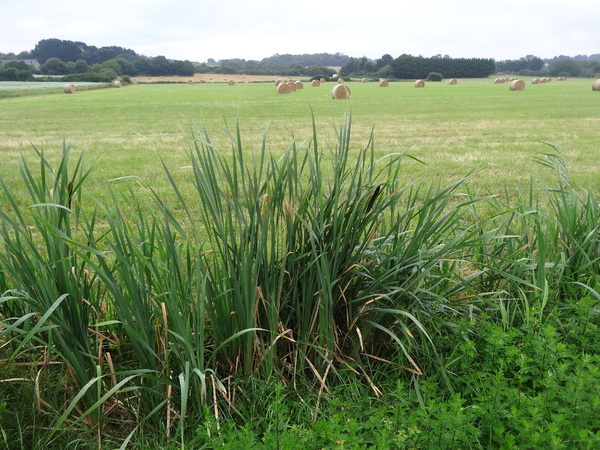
(366, 80)
(340, 92)
(299, 85)
(323, 80)
(69, 89)
(561, 79)
(596, 86)
(190, 82)
(292, 86)
(383, 83)
(341, 80)
(419, 84)
(536, 81)
(277, 83)
(517, 85)
(284, 88)
(315, 83)
(231, 83)
(117, 83)
(452, 81)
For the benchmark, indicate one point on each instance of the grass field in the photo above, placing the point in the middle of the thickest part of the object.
(452, 128)
(250, 295)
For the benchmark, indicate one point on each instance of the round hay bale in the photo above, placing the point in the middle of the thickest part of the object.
(365, 80)
(277, 83)
(452, 81)
(561, 79)
(419, 84)
(596, 85)
(517, 85)
(299, 85)
(69, 89)
(284, 88)
(117, 83)
(323, 80)
(292, 86)
(340, 92)
(341, 80)
(536, 81)
(190, 82)
(315, 83)
(231, 83)
(383, 83)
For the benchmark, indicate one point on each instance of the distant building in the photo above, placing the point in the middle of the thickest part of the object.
(30, 62)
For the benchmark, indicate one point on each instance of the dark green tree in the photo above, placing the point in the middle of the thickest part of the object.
(54, 66)
(385, 60)
(81, 66)
(56, 48)
(159, 66)
(565, 67)
(16, 71)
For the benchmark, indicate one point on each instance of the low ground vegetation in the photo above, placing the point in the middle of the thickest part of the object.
(303, 298)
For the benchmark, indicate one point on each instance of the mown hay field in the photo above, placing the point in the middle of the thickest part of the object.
(451, 128)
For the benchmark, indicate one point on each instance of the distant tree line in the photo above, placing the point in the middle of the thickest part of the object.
(82, 62)
(413, 67)
(79, 61)
(577, 66)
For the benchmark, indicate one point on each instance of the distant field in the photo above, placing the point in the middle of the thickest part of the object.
(38, 85)
(454, 129)
(212, 78)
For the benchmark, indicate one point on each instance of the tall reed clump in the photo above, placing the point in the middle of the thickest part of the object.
(52, 300)
(550, 253)
(313, 265)
(572, 226)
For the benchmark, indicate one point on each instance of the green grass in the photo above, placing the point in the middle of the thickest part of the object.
(13, 89)
(261, 295)
(452, 128)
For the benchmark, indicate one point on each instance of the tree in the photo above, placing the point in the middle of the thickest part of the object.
(159, 66)
(81, 66)
(16, 71)
(127, 67)
(54, 66)
(385, 60)
(565, 67)
(55, 48)
(105, 54)
(535, 64)
(182, 68)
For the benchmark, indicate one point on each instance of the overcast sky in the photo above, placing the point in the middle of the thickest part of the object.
(256, 29)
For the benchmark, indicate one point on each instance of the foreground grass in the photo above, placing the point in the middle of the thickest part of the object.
(289, 296)
(265, 293)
